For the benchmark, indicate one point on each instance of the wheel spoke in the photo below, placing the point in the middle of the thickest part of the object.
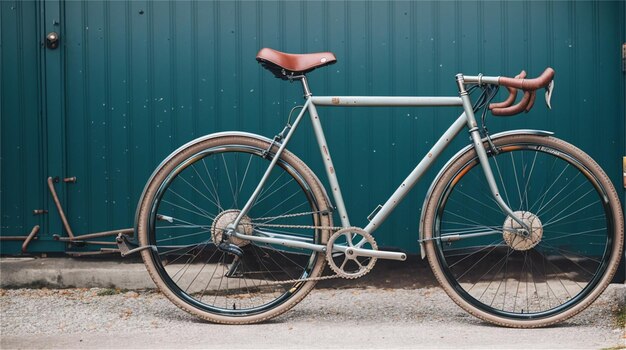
(567, 234)
(569, 193)
(200, 212)
(497, 211)
(554, 219)
(506, 194)
(219, 204)
(213, 195)
(204, 232)
(545, 193)
(519, 192)
(530, 174)
(245, 174)
(230, 183)
(269, 195)
(279, 204)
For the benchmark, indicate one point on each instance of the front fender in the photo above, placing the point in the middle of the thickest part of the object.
(457, 156)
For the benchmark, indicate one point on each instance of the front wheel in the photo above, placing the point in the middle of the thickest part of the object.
(185, 213)
(525, 279)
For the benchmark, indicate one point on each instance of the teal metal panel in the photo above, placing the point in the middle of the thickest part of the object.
(53, 114)
(22, 181)
(136, 79)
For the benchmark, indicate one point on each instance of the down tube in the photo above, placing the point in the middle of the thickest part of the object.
(417, 173)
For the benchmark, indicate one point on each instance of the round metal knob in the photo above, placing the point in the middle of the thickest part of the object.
(52, 40)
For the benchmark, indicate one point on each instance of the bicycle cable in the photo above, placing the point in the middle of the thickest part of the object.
(291, 112)
(482, 102)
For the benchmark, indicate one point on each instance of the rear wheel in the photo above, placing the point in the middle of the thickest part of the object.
(187, 207)
(503, 275)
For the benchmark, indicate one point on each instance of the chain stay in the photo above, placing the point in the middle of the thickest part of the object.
(313, 227)
(330, 228)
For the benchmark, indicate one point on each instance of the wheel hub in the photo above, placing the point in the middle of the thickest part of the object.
(225, 218)
(511, 231)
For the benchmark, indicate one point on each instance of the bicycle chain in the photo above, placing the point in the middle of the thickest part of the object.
(313, 227)
(321, 278)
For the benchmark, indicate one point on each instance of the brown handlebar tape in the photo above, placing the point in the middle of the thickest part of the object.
(516, 109)
(512, 94)
(529, 84)
(533, 95)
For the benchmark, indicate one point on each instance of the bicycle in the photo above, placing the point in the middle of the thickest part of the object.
(520, 228)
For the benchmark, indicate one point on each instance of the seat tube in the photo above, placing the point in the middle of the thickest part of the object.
(328, 165)
(266, 175)
(482, 154)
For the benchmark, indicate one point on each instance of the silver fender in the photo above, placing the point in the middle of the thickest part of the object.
(457, 156)
(196, 141)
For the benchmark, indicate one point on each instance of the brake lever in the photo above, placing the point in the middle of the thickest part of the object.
(549, 90)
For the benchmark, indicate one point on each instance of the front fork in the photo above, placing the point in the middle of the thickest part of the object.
(482, 156)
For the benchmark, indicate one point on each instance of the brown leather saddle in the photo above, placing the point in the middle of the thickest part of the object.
(287, 65)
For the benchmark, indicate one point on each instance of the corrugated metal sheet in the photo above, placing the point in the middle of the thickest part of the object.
(140, 78)
(22, 182)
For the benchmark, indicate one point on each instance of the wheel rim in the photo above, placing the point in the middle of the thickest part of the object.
(541, 278)
(187, 258)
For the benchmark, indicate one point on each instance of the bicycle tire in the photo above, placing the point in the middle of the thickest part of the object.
(567, 271)
(196, 279)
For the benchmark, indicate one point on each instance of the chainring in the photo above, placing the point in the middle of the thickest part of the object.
(348, 264)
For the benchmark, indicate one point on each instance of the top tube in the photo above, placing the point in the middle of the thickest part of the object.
(386, 101)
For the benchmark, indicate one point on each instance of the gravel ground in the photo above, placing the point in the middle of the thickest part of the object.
(327, 318)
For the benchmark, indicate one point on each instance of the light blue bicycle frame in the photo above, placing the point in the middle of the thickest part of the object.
(465, 119)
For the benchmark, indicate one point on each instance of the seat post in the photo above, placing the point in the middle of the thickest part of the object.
(305, 87)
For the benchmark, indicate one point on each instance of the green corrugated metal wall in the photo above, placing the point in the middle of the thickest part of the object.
(134, 80)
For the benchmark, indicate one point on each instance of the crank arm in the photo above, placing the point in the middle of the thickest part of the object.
(380, 254)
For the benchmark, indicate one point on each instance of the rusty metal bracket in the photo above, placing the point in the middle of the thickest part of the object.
(125, 231)
(127, 247)
(100, 252)
(57, 202)
(30, 237)
(66, 224)
(27, 239)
